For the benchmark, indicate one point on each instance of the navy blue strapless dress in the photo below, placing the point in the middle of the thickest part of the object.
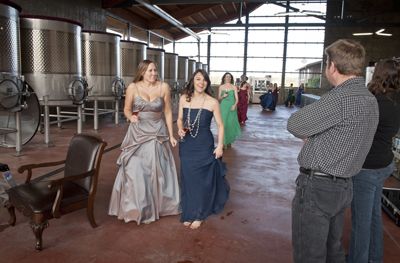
(204, 189)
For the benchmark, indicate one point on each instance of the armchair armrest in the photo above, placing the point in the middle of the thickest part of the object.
(59, 183)
(30, 167)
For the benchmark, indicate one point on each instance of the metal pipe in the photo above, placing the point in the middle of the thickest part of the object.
(63, 120)
(128, 22)
(46, 120)
(209, 50)
(342, 12)
(246, 40)
(18, 134)
(285, 40)
(79, 121)
(155, 9)
(96, 115)
(117, 111)
(128, 37)
(58, 117)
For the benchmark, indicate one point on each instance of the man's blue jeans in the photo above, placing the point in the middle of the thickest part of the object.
(317, 218)
(366, 243)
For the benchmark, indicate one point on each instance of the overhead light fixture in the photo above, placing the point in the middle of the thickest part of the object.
(312, 12)
(210, 32)
(363, 34)
(301, 12)
(378, 33)
(288, 14)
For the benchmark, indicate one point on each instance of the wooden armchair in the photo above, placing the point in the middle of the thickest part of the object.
(46, 199)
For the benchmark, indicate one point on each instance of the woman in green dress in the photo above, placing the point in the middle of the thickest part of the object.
(228, 97)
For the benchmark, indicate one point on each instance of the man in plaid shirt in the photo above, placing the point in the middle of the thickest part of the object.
(338, 131)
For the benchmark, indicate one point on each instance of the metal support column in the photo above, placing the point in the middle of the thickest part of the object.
(198, 50)
(83, 113)
(46, 120)
(246, 40)
(128, 37)
(117, 111)
(96, 114)
(58, 116)
(18, 135)
(209, 51)
(285, 48)
(79, 121)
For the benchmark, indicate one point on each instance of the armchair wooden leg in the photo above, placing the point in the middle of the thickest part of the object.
(90, 215)
(11, 211)
(38, 230)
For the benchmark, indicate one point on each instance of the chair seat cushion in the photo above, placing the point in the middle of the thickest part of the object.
(39, 198)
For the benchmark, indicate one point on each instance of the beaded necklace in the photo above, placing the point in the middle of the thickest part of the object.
(193, 125)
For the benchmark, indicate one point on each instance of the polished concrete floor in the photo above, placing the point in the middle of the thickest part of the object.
(255, 225)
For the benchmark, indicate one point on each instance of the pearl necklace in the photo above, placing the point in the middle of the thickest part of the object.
(193, 125)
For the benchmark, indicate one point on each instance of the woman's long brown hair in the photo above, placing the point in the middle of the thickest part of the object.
(189, 89)
(142, 67)
(386, 79)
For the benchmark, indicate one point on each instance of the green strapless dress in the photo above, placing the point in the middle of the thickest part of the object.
(230, 118)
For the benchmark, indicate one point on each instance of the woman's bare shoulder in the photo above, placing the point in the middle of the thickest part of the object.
(211, 102)
(132, 85)
(164, 85)
(132, 88)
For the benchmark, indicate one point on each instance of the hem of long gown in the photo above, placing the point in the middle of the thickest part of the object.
(138, 222)
(232, 141)
(201, 218)
(219, 201)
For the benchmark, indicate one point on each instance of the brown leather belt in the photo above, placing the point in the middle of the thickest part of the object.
(317, 173)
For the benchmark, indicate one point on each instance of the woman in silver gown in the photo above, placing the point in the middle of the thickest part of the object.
(146, 186)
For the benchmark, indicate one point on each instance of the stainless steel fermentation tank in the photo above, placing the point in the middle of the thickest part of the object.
(157, 55)
(183, 70)
(52, 65)
(191, 67)
(171, 77)
(101, 62)
(199, 65)
(171, 68)
(205, 68)
(19, 108)
(132, 53)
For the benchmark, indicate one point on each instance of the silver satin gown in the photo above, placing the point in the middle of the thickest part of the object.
(146, 186)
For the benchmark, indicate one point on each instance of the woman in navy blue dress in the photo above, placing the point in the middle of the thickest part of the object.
(204, 189)
(267, 100)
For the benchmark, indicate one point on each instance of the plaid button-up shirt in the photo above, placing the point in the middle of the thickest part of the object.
(339, 129)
